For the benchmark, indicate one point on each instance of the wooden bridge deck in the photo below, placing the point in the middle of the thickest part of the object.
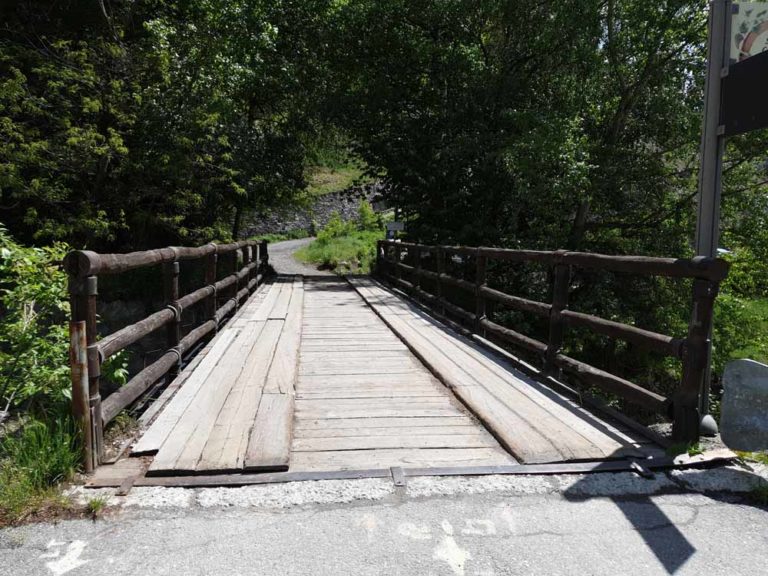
(325, 374)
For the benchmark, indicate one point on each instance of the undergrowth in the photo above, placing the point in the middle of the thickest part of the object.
(33, 462)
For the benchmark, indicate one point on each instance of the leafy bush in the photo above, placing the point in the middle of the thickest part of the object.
(367, 219)
(33, 301)
(346, 246)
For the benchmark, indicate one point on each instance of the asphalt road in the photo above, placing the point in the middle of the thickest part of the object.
(609, 524)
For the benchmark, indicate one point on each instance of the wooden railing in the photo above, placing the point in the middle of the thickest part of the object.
(692, 351)
(247, 264)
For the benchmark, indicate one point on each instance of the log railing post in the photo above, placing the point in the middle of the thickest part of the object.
(83, 291)
(263, 256)
(171, 293)
(440, 272)
(562, 279)
(78, 362)
(211, 303)
(398, 270)
(379, 258)
(417, 270)
(480, 280)
(686, 414)
(246, 250)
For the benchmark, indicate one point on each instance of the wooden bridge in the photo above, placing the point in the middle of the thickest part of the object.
(310, 377)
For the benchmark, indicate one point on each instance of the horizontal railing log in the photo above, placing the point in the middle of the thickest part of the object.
(692, 350)
(221, 298)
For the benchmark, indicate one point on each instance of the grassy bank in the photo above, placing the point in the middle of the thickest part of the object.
(326, 179)
(346, 246)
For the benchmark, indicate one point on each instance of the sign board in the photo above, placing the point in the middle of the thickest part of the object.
(395, 226)
(749, 30)
(743, 106)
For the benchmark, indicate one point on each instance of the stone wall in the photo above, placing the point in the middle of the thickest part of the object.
(345, 202)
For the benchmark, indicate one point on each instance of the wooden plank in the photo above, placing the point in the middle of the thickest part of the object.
(566, 429)
(270, 441)
(585, 424)
(381, 422)
(158, 432)
(354, 459)
(376, 412)
(353, 354)
(280, 309)
(476, 440)
(364, 379)
(226, 445)
(182, 449)
(530, 432)
(466, 427)
(262, 313)
(284, 368)
(375, 393)
(322, 404)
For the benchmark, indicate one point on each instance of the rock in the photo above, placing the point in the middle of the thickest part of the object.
(345, 202)
(744, 413)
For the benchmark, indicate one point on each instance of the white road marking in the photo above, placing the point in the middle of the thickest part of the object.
(69, 561)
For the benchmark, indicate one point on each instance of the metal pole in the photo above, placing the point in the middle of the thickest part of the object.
(710, 173)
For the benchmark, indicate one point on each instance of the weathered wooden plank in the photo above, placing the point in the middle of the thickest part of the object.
(281, 378)
(585, 424)
(158, 432)
(371, 393)
(262, 313)
(375, 412)
(364, 379)
(342, 370)
(533, 433)
(226, 445)
(182, 449)
(353, 459)
(467, 427)
(476, 440)
(280, 309)
(270, 442)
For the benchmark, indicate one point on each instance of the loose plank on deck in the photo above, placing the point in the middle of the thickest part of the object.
(207, 427)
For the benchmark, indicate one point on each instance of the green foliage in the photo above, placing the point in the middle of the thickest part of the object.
(346, 246)
(367, 219)
(153, 122)
(34, 350)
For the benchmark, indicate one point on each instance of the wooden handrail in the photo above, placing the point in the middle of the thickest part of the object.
(85, 266)
(692, 350)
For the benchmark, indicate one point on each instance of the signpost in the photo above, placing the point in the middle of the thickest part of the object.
(734, 103)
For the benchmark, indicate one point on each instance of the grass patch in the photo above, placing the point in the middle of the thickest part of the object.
(96, 506)
(759, 457)
(326, 179)
(33, 462)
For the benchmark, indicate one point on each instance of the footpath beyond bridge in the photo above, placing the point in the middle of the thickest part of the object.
(321, 377)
